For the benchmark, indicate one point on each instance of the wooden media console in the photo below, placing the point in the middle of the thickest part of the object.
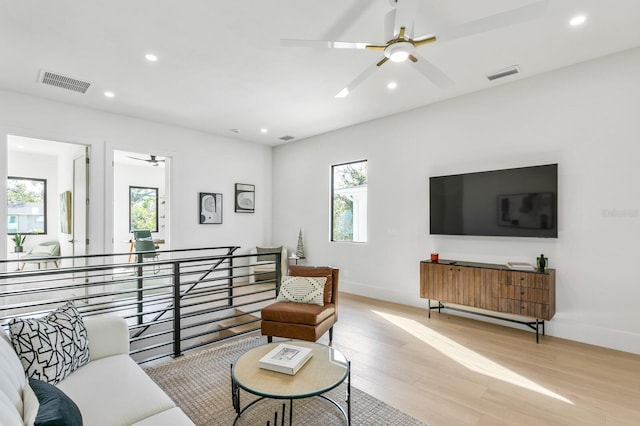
(494, 289)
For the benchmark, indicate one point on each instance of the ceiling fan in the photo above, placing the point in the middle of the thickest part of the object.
(402, 44)
(151, 160)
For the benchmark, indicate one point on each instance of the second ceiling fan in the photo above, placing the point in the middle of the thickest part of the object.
(402, 45)
(153, 160)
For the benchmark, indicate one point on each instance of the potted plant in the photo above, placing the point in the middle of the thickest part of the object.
(18, 240)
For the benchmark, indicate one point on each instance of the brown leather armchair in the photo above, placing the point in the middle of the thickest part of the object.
(302, 320)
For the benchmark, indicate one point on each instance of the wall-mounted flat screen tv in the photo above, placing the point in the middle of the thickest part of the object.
(520, 202)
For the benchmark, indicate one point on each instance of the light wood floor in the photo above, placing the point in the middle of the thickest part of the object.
(448, 370)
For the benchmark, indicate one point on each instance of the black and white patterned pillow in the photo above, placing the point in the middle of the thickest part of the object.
(52, 347)
(302, 290)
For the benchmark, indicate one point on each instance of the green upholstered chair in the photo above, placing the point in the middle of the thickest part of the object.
(42, 253)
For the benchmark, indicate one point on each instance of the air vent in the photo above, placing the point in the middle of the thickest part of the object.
(63, 81)
(504, 73)
(286, 138)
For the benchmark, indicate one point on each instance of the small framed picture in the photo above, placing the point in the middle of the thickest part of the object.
(245, 198)
(210, 208)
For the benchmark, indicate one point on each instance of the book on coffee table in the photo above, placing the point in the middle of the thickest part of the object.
(285, 358)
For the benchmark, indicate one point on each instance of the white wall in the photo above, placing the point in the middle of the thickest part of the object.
(200, 163)
(585, 118)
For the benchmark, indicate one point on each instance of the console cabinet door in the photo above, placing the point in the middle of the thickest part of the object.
(437, 278)
(490, 289)
(449, 283)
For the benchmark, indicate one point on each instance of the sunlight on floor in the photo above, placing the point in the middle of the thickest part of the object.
(466, 357)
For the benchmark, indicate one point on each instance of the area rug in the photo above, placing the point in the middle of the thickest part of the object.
(200, 384)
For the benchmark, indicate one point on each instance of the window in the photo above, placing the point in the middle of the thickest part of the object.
(349, 202)
(143, 209)
(26, 205)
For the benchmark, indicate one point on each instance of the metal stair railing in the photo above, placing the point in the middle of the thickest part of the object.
(186, 299)
(230, 251)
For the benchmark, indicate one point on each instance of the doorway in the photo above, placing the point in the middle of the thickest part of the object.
(141, 200)
(54, 163)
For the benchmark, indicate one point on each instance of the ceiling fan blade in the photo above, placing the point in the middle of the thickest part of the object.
(340, 25)
(500, 20)
(382, 61)
(433, 73)
(136, 158)
(356, 81)
(323, 44)
(405, 16)
(427, 40)
(375, 47)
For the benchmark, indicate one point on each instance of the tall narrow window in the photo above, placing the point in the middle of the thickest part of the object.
(26, 205)
(349, 202)
(143, 209)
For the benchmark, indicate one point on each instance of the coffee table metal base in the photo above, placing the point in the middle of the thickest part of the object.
(235, 396)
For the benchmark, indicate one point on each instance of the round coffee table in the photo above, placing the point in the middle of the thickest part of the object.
(326, 369)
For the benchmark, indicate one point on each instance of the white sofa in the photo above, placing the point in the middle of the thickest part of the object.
(110, 390)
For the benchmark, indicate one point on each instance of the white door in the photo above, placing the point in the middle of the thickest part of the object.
(80, 205)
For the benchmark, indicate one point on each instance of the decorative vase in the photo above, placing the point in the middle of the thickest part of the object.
(542, 263)
(19, 249)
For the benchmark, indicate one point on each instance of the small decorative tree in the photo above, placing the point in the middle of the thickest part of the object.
(300, 247)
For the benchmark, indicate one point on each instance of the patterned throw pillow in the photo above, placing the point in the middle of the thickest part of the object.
(52, 347)
(302, 290)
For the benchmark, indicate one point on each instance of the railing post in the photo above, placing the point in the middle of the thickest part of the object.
(177, 345)
(140, 286)
(278, 272)
(230, 280)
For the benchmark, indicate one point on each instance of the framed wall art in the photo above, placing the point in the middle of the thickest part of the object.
(245, 198)
(210, 208)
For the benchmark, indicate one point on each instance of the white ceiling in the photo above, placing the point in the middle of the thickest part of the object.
(221, 65)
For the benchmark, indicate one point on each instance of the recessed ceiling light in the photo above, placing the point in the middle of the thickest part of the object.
(577, 20)
(109, 94)
(392, 85)
(263, 130)
(343, 93)
(151, 57)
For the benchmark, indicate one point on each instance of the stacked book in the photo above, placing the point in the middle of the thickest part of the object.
(521, 266)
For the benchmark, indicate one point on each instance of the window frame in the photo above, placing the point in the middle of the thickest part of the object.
(332, 230)
(44, 214)
(154, 189)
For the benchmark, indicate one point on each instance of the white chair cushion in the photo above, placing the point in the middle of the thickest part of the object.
(114, 391)
(12, 383)
(31, 406)
(172, 417)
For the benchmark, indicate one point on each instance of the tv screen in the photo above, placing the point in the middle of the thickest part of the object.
(518, 202)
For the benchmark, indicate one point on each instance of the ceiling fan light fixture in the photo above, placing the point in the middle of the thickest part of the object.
(399, 52)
